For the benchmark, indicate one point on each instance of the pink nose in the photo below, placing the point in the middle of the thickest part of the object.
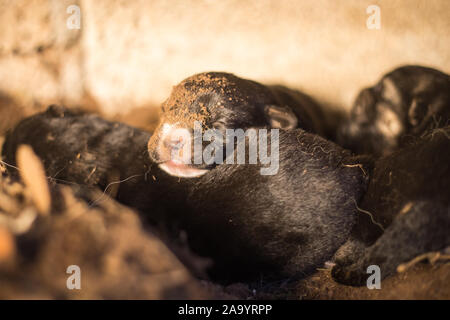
(175, 144)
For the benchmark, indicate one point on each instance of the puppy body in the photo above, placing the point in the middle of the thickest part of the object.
(283, 225)
(405, 103)
(405, 211)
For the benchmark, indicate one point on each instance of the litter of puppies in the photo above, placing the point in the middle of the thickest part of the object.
(325, 203)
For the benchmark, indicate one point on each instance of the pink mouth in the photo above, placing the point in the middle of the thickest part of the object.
(178, 169)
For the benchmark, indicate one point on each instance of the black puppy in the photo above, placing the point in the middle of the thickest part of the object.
(81, 148)
(405, 211)
(406, 102)
(224, 101)
(252, 225)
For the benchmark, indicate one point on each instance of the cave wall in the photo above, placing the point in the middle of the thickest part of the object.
(129, 54)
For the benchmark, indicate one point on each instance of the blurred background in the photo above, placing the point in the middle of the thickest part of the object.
(127, 55)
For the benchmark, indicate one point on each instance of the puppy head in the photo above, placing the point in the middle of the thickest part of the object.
(374, 124)
(408, 100)
(217, 101)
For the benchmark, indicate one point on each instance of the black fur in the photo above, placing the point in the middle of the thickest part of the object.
(419, 99)
(408, 199)
(285, 224)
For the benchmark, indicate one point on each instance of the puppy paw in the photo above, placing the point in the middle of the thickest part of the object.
(349, 253)
(352, 275)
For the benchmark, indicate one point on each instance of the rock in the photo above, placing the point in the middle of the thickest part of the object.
(33, 175)
(117, 256)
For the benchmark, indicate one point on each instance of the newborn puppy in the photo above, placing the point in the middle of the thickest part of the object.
(406, 102)
(80, 148)
(224, 101)
(251, 225)
(405, 211)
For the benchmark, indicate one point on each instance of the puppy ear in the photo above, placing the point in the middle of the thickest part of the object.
(417, 111)
(280, 117)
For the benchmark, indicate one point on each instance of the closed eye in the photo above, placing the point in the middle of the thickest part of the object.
(219, 125)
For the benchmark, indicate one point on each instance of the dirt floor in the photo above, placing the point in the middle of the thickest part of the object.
(43, 230)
